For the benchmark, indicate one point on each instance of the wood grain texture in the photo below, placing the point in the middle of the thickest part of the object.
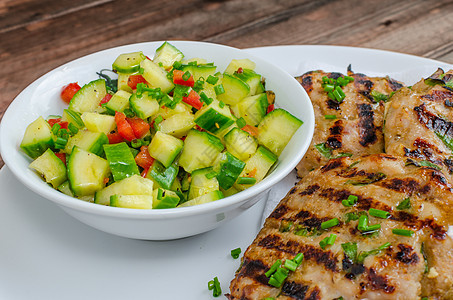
(37, 36)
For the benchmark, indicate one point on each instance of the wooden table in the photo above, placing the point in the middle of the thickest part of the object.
(39, 35)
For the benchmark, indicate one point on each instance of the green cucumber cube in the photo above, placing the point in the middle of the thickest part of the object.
(133, 185)
(214, 118)
(235, 90)
(98, 123)
(37, 138)
(144, 106)
(253, 108)
(206, 198)
(50, 167)
(89, 96)
(165, 148)
(128, 62)
(166, 55)
(240, 143)
(119, 101)
(168, 199)
(89, 141)
(121, 161)
(161, 176)
(251, 78)
(132, 201)
(228, 169)
(257, 166)
(177, 125)
(235, 64)
(156, 76)
(73, 117)
(199, 71)
(200, 184)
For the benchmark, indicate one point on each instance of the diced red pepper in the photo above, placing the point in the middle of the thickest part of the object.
(178, 78)
(133, 80)
(240, 70)
(145, 172)
(193, 99)
(68, 91)
(53, 121)
(106, 180)
(252, 130)
(61, 156)
(139, 126)
(124, 128)
(270, 108)
(106, 99)
(115, 138)
(143, 159)
(64, 125)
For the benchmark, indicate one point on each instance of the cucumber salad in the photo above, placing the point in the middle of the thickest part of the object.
(168, 132)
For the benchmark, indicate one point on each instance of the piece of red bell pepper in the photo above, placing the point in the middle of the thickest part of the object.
(178, 78)
(124, 128)
(143, 159)
(193, 99)
(139, 126)
(68, 91)
(133, 80)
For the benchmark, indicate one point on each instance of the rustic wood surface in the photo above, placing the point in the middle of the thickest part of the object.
(39, 35)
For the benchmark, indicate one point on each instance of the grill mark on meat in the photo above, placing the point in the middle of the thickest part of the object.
(412, 221)
(438, 96)
(379, 282)
(321, 257)
(393, 84)
(314, 294)
(294, 290)
(433, 122)
(334, 75)
(367, 130)
(406, 255)
(331, 104)
(363, 86)
(310, 190)
(334, 141)
(421, 143)
(279, 212)
(404, 185)
(332, 164)
(307, 83)
(449, 163)
(254, 269)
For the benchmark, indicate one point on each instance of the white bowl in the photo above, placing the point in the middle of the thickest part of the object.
(41, 98)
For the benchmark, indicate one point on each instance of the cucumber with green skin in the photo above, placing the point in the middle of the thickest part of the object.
(199, 71)
(253, 108)
(201, 184)
(240, 143)
(144, 106)
(121, 161)
(168, 199)
(166, 55)
(119, 101)
(73, 117)
(252, 79)
(128, 62)
(95, 122)
(86, 172)
(276, 130)
(37, 138)
(132, 201)
(133, 185)
(88, 97)
(206, 198)
(161, 176)
(50, 167)
(177, 125)
(156, 76)
(235, 90)
(89, 141)
(228, 169)
(214, 118)
(165, 148)
(257, 166)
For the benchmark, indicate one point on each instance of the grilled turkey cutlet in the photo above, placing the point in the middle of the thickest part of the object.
(352, 126)
(419, 121)
(417, 202)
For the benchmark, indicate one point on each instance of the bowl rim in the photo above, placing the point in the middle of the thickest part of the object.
(232, 201)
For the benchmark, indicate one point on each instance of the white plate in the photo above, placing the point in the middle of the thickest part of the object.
(45, 254)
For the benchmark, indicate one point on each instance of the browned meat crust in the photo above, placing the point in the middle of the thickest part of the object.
(412, 267)
(357, 128)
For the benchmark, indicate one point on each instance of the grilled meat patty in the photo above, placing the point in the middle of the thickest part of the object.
(357, 126)
(384, 265)
(419, 121)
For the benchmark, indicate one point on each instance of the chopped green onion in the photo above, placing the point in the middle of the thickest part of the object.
(72, 128)
(384, 246)
(246, 180)
(298, 258)
(373, 228)
(339, 94)
(330, 223)
(214, 285)
(330, 117)
(405, 204)
(403, 232)
(329, 87)
(241, 122)
(212, 79)
(378, 97)
(221, 104)
(186, 76)
(160, 194)
(349, 78)
(324, 150)
(290, 265)
(55, 128)
(378, 213)
(351, 216)
(235, 253)
(363, 223)
(351, 201)
(273, 268)
(129, 113)
(278, 277)
(177, 64)
(219, 90)
(158, 119)
(328, 240)
(136, 143)
(211, 175)
(60, 143)
(350, 250)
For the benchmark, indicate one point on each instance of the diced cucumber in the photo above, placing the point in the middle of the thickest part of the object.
(197, 60)
(276, 130)
(240, 143)
(235, 90)
(228, 169)
(37, 138)
(164, 199)
(128, 62)
(144, 106)
(86, 172)
(119, 101)
(230, 192)
(221, 134)
(98, 123)
(210, 197)
(235, 64)
(253, 108)
(123, 79)
(165, 148)
(177, 125)
(134, 185)
(156, 76)
(73, 117)
(166, 55)
(161, 176)
(199, 71)
(65, 188)
(214, 118)
(132, 201)
(50, 167)
(166, 112)
(121, 161)
(89, 141)
(200, 150)
(200, 184)
(257, 166)
(251, 78)
(89, 96)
